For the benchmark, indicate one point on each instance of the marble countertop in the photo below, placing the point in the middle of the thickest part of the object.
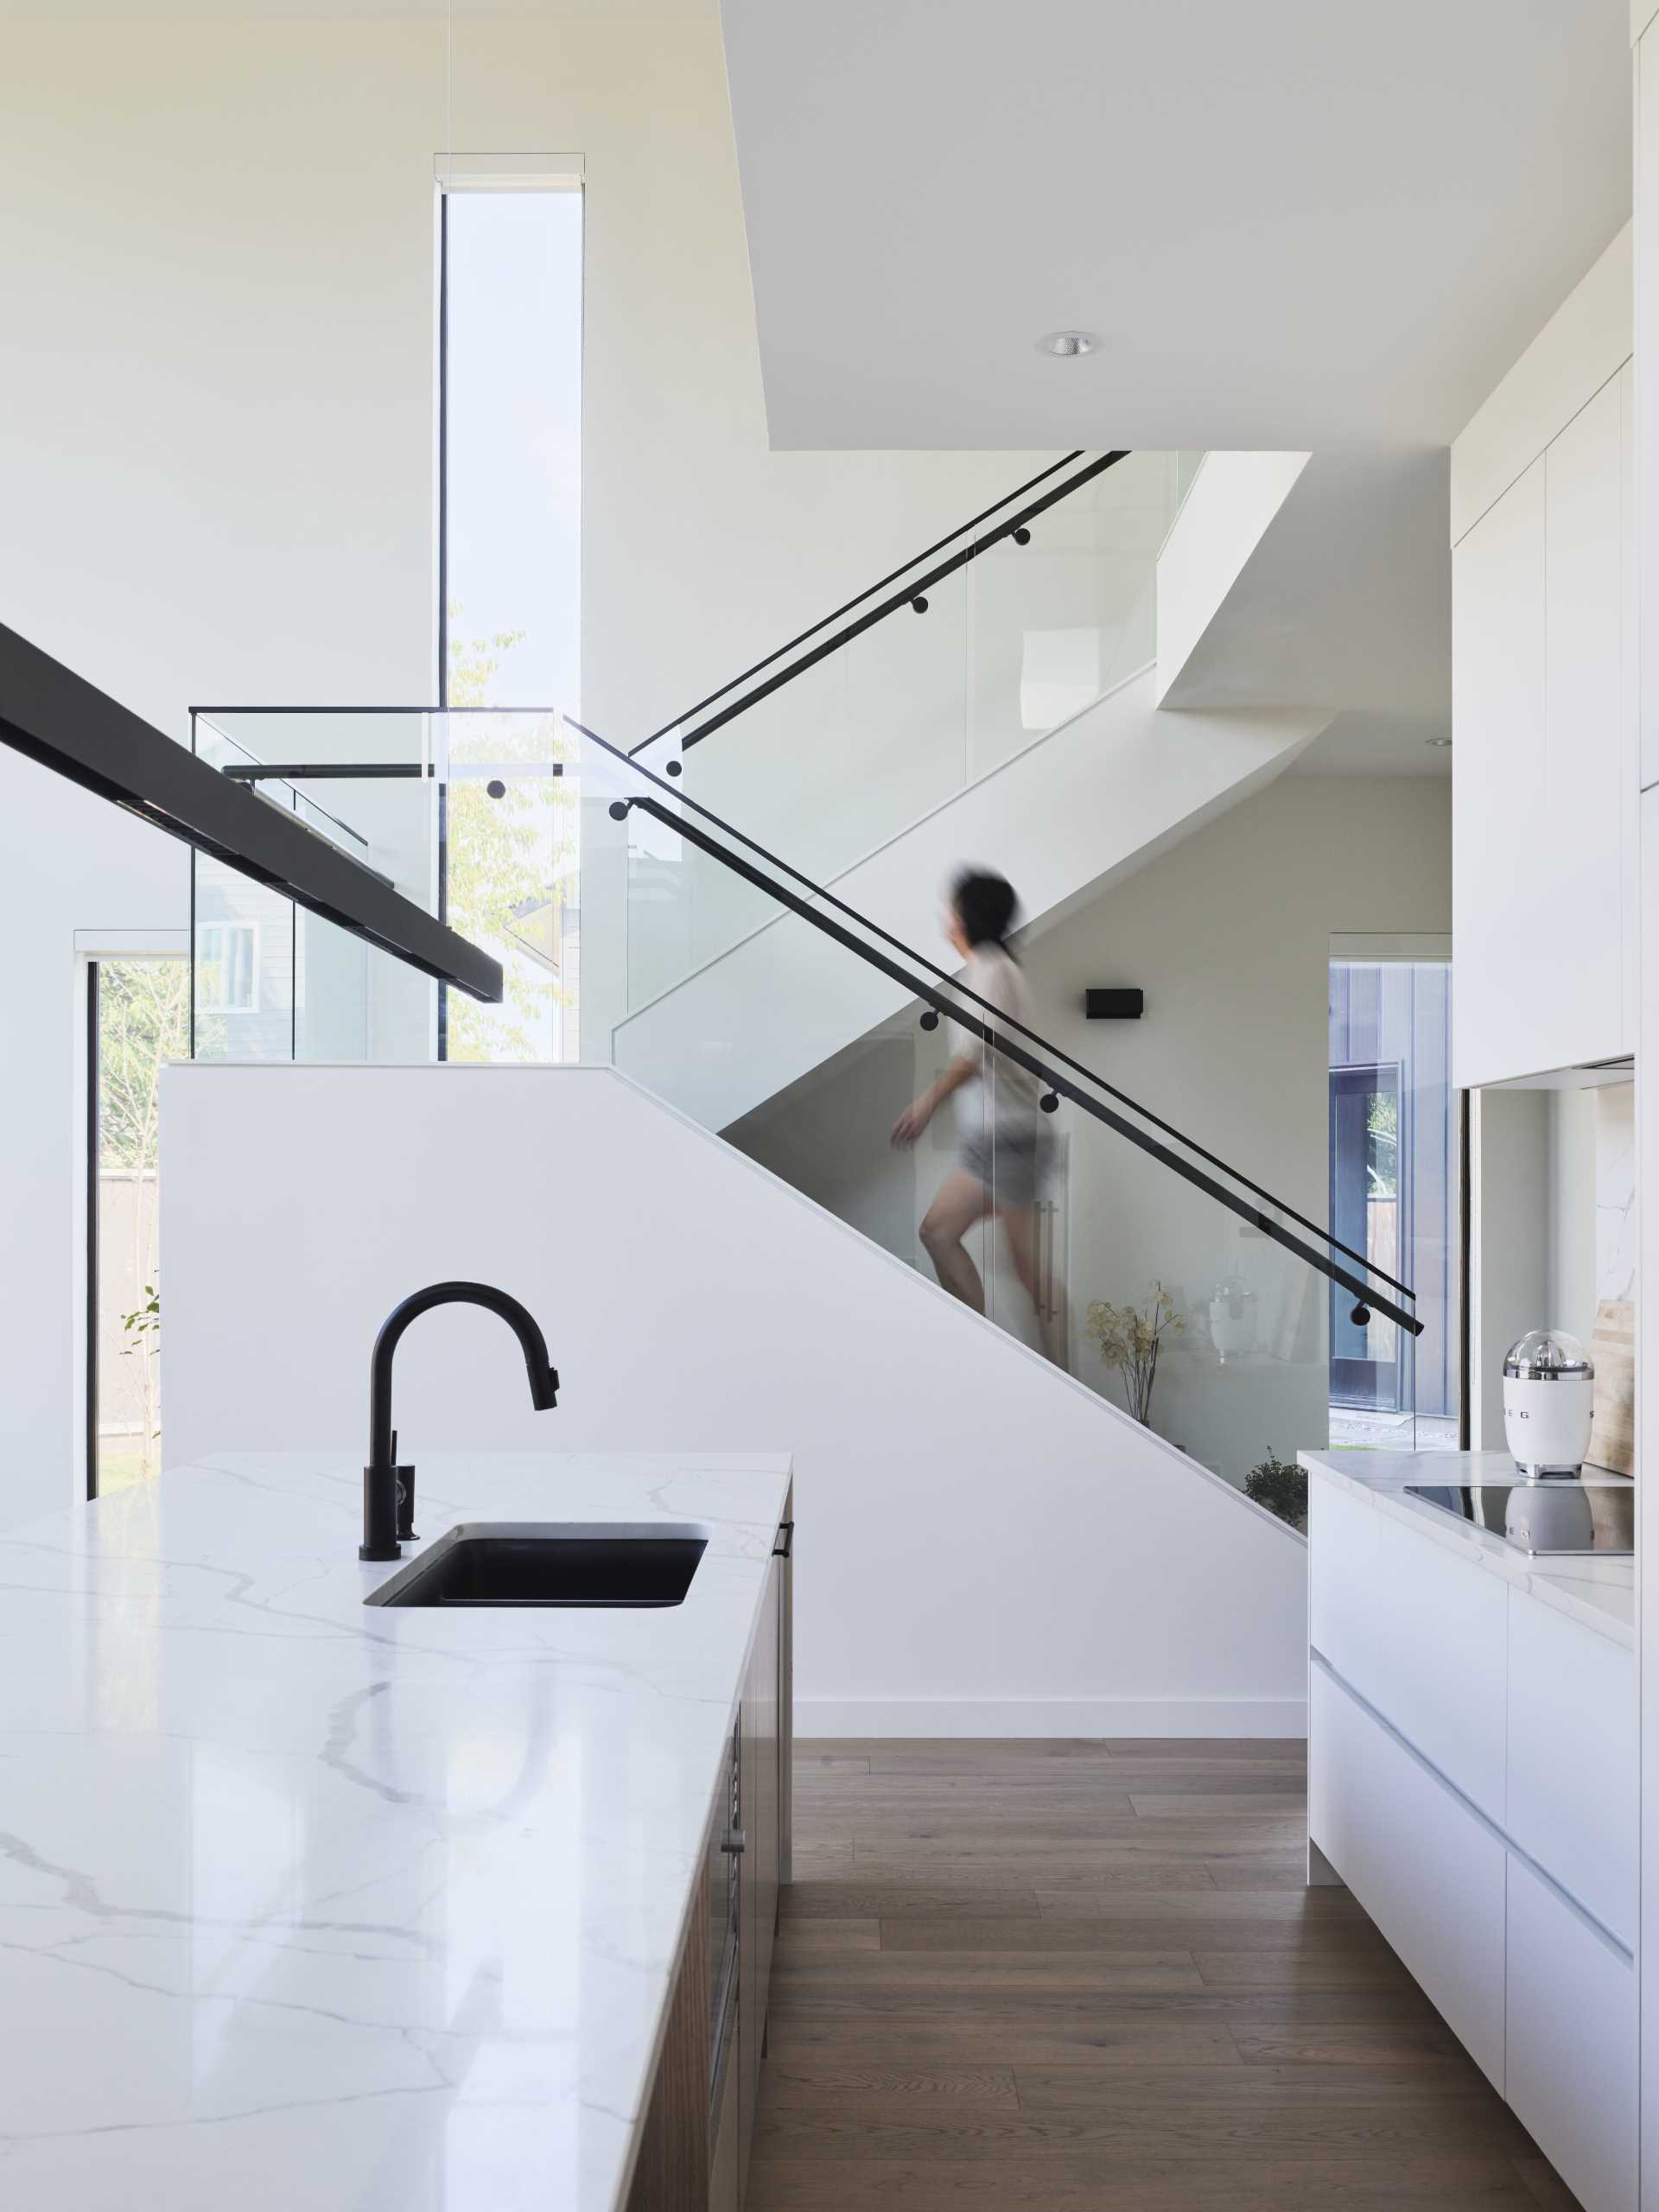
(315, 1906)
(1599, 1593)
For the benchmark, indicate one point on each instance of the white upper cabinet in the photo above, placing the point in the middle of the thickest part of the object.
(1544, 786)
(1498, 704)
(1582, 806)
(1546, 771)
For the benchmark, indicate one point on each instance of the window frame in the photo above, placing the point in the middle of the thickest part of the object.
(455, 173)
(246, 931)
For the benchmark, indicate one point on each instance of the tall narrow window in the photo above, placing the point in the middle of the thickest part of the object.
(138, 1018)
(510, 614)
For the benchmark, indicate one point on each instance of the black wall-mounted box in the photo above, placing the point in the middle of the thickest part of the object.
(1113, 1004)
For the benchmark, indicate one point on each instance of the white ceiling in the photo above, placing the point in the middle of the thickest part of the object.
(1360, 743)
(353, 11)
(1346, 603)
(1293, 223)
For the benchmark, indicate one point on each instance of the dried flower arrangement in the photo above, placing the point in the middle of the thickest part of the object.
(1130, 1338)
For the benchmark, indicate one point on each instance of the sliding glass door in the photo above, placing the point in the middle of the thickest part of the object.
(1394, 1196)
(1366, 1357)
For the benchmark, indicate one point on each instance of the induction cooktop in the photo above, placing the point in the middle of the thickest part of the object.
(1594, 1518)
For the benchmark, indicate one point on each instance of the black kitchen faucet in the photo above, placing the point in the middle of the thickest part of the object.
(387, 1489)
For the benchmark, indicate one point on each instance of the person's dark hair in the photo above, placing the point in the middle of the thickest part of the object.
(985, 906)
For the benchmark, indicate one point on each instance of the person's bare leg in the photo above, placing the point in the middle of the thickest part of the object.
(961, 1200)
(1020, 1222)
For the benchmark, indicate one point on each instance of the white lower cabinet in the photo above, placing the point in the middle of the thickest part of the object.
(1473, 1781)
(1427, 1870)
(1436, 1625)
(1572, 1767)
(1342, 1539)
(1570, 2066)
(1542, 2000)
(1399, 1615)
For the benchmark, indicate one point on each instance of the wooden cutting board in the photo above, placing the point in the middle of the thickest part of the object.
(1612, 1425)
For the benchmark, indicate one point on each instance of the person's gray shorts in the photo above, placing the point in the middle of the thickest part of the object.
(1011, 1164)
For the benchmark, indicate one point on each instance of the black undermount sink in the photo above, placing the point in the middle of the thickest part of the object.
(528, 1563)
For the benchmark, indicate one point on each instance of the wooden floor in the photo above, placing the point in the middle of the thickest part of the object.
(1085, 1974)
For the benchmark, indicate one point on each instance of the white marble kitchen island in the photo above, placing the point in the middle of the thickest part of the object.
(311, 1904)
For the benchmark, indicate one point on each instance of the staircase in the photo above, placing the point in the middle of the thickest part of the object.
(760, 946)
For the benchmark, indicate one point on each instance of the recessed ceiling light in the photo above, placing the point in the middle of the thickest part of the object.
(1438, 744)
(1067, 344)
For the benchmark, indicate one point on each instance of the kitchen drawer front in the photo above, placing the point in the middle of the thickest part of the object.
(1342, 1572)
(1573, 1760)
(1429, 1872)
(1571, 2034)
(1431, 1654)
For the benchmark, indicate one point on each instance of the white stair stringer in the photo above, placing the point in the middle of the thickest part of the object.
(1079, 810)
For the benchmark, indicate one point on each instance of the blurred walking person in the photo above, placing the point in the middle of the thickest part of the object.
(1004, 1144)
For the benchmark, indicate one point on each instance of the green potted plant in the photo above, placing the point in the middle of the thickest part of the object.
(1282, 1486)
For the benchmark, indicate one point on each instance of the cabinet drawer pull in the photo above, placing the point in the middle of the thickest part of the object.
(784, 1548)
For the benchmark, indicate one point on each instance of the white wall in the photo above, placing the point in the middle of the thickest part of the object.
(1230, 937)
(983, 1548)
(1573, 1117)
(1552, 1223)
(1646, 1280)
(1509, 1243)
(216, 437)
(1645, 32)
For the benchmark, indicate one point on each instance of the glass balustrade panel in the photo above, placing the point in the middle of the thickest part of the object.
(1060, 619)
(771, 769)
(364, 782)
(513, 845)
(1179, 1307)
(242, 970)
(243, 947)
(841, 759)
(835, 764)
(472, 812)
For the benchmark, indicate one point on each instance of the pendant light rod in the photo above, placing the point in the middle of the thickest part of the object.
(59, 719)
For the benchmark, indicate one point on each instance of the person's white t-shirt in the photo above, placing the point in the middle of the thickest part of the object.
(1003, 1095)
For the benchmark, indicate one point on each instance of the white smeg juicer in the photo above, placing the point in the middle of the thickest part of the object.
(1548, 1390)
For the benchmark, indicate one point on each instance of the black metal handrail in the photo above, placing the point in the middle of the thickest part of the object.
(672, 810)
(1057, 1086)
(682, 799)
(858, 597)
(913, 594)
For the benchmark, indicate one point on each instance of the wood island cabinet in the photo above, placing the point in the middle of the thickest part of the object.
(694, 2149)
